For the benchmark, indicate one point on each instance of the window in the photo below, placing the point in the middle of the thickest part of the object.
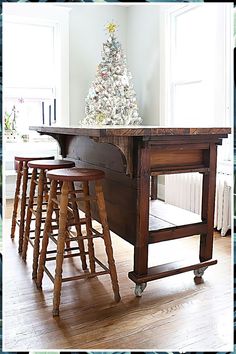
(35, 64)
(198, 65)
(198, 68)
(29, 71)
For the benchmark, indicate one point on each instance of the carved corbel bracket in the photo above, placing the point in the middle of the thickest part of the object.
(125, 145)
(61, 141)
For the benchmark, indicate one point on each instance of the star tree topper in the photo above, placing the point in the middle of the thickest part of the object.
(111, 27)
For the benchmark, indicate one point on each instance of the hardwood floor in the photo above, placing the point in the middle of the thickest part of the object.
(173, 314)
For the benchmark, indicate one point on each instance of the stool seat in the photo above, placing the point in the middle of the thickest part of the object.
(32, 157)
(50, 164)
(76, 174)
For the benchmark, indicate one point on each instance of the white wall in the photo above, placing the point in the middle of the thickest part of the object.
(138, 34)
(143, 59)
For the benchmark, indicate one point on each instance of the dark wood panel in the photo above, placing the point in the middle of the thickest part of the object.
(172, 158)
(176, 232)
(179, 146)
(99, 154)
(121, 203)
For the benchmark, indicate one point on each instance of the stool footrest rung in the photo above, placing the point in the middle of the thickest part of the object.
(53, 239)
(43, 203)
(76, 191)
(97, 233)
(34, 230)
(76, 238)
(66, 249)
(66, 255)
(83, 221)
(88, 275)
(54, 227)
(101, 265)
(34, 212)
(82, 199)
(31, 239)
(49, 274)
(77, 199)
(55, 200)
(76, 277)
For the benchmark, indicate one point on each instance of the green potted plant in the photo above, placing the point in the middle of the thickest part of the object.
(10, 124)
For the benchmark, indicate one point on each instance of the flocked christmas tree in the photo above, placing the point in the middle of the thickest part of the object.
(111, 99)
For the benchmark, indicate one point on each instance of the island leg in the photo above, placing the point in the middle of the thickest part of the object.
(208, 205)
(141, 246)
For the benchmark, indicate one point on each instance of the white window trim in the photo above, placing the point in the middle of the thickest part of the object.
(57, 16)
(167, 13)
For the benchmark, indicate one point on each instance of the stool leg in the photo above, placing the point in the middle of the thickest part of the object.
(16, 199)
(60, 248)
(38, 223)
(23, 204)
(107, 239)
(46, 232)
(46, 189)
(88, 227)
(29, 213)
(78, 227)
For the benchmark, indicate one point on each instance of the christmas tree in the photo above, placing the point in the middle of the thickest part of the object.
(111, 99)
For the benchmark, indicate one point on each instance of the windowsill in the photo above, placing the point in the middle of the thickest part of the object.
(31, 140)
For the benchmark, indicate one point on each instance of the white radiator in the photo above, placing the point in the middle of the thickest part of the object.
(185, 191)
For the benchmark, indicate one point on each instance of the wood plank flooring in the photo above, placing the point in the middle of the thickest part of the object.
(173, 314)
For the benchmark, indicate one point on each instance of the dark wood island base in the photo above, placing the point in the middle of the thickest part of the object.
(129, 157)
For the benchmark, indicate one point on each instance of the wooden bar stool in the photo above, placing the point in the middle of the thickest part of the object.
(38, 178)
(21, 166)
(69, 199)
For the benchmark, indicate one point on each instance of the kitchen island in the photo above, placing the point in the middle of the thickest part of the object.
(129, 156)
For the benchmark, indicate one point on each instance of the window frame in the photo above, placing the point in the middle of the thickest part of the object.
(168, 15)
(58, 18)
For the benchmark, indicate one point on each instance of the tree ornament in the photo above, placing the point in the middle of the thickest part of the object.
(100, 118)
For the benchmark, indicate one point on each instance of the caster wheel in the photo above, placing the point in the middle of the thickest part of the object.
(199, 272)
(139, 289)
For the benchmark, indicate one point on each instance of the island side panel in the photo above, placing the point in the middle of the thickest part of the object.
(120, 189)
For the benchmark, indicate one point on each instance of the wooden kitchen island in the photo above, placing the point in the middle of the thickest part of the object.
(129, 156)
